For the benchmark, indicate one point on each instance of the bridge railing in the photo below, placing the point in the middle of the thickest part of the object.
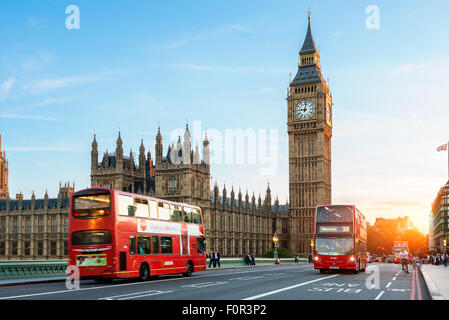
(235, 262)
(16, 269)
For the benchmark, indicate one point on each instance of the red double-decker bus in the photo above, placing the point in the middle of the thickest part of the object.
(115, 234)
(340, 238)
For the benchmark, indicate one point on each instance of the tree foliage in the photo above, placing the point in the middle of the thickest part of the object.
(282, 253)
(384, 232)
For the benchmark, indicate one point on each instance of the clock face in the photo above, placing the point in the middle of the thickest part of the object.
(305, 109)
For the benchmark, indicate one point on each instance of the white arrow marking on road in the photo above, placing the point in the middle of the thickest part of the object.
(287, 288)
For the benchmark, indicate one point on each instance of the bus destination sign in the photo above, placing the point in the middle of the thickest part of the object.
(334, 229)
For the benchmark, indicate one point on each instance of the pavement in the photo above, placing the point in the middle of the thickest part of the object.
(437, 280)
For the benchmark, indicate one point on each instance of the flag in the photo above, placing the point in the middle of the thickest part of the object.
(442, 148)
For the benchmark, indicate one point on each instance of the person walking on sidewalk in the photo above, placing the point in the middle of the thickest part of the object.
(211, 258)
(217, 258)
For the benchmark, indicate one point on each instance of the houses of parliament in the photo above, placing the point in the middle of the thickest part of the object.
(236, 222)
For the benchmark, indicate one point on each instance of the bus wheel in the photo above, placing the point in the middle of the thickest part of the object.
(322, 270)
(144, 273)
(189, 269)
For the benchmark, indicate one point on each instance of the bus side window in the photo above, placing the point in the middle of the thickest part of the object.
(164, 211)
(175, 213)
(141, 206)
(196, 217)
(143, 245)
(132, 245)
(187, 214)
(201, 245)
(155, 241)
(166, 245)
(125, 206)
(131, 210)
(153, 209)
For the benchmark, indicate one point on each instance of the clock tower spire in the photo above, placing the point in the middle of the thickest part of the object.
(309, 122)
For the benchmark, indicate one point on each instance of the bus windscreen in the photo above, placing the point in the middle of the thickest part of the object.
(91, 206)
(335, 214)
(328, 246)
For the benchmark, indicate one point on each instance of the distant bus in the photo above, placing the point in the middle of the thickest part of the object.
(340, 238)
(115, 234)
(397, 248)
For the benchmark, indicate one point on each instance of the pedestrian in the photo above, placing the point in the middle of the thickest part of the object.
(211, 258)
(247, 259)
(217, 258)
(310, 260)
(253, 259)
(296, 259)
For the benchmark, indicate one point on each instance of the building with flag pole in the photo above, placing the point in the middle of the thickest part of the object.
(444, 148)
(439, 216)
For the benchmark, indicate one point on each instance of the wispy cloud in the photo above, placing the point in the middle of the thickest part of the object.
(218, 68)
(428, 66)
(5, 87)
(174, 44)
(54, 83)
(46, 84)
(30, 117)
(207, 35)
(45, 148)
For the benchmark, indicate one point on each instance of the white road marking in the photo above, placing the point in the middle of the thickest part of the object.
(135, 295)
(204, 284)
(379, 295)
(399, 290)
(247, 278)
(389, 284)
(287, 288)
(394, 278)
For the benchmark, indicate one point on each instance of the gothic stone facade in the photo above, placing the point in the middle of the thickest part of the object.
(35, 229)
(4, 191)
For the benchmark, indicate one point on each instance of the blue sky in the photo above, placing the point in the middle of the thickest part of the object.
(134, 64)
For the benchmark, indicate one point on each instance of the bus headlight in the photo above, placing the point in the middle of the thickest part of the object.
(352, 258)
(317, 259)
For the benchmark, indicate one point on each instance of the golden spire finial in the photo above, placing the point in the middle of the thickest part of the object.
(309, 12)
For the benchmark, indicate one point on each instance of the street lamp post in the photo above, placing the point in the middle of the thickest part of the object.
(275, 240)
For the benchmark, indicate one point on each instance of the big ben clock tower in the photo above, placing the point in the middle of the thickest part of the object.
(309, 136)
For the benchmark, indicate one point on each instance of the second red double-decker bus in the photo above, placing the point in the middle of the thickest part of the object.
(340, 238)
(115, 234)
